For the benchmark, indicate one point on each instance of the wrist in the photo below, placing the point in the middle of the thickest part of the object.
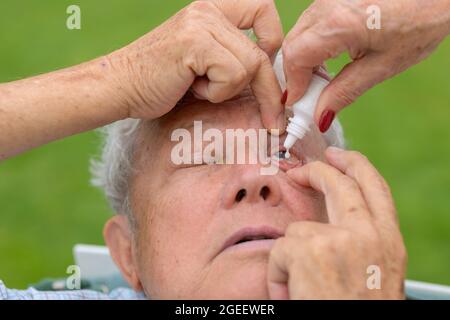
(109, 91)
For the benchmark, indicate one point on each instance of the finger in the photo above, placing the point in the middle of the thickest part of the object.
(344, 200)
(262, 78)
(267, 91)
(354, 79)
(290, 264)
(308, 229)
(301, 54)
(261, 15)
(225, 75)
(374, 188)
(278, 270)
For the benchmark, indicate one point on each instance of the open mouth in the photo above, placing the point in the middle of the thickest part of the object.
(248, 236)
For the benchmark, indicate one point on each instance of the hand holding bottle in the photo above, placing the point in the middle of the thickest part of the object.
(410, 31)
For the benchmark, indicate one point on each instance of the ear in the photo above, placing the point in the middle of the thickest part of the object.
(118, 238)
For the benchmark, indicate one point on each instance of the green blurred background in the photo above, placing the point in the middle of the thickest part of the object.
(47, 204)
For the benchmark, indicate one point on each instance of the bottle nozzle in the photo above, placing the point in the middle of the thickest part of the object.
(289, 143)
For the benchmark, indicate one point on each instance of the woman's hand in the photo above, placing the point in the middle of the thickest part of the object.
(410, 31)
(202, 48)
(341, 260)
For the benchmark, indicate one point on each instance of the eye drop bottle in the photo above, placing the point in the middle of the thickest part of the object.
(303, 110)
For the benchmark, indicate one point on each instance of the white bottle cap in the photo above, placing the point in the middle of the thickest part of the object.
(303, 112)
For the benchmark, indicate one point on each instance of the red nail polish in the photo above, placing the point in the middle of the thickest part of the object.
(284, 97)
(325, 120)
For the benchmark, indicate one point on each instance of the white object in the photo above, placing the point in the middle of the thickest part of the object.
(303, 109)
(426, 291)
(94, 261)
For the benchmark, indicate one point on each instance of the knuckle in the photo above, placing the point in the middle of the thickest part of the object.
(259, 60)
(198, 11)
(345, 95)
(190, 37)
(266, 4)
(274, 42)
(358, 156)
(345, 238)
(294, 229)
(239, 77)
(316, 165)
(324, 245)
(217, 98)
(266, 118)
(281, 246)
(199, 7)
(302, 44)
(369, 232)
(345, 182)
(262, 58)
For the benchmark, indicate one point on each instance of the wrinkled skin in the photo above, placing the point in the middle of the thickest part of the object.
(185, 214)
(410, 30)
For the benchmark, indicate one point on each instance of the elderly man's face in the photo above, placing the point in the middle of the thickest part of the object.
(189, 217)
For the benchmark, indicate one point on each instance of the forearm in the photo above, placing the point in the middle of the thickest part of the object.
(48, 107)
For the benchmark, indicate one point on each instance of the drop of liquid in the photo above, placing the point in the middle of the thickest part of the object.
(287, 155)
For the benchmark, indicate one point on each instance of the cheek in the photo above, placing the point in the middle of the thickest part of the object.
(172, 242)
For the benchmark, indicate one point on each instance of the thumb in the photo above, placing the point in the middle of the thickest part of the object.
(262, 16)
(354, 79)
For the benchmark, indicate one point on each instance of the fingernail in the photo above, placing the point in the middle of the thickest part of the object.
(326, 119)
(284, 97)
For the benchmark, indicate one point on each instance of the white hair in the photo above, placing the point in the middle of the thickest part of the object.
(112, 171)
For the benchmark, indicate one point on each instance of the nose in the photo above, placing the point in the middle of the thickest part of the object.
(247, 185)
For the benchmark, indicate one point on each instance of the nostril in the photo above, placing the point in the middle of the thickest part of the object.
(264, 193)
(240, 195)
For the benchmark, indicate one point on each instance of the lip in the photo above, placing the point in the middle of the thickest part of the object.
(270, 233)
